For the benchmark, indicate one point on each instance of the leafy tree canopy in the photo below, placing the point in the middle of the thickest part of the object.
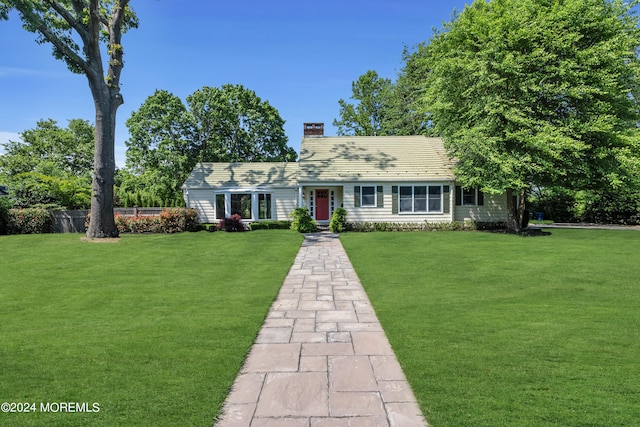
(51, 165)
(529, 92)
(232, 124)
(369, 116)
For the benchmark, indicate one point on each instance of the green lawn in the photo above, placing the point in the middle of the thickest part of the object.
(153, 328)
(500, 330)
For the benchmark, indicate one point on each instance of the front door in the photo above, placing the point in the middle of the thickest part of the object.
(322, 205)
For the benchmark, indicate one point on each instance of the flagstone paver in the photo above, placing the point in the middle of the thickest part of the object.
(321, 358)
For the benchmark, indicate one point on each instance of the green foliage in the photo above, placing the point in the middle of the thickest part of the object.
(232, 124)
(29, 221)
(302, 221)
(338, 218)
(51, 166)
(537, 93)
(613, 207)
(423, 226)
(557, 203)
(270, 225)
(368, 117)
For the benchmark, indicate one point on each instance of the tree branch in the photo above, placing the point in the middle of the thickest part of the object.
(74, 22)
(115, 48)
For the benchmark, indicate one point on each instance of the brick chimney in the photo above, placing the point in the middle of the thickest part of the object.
(314, 129)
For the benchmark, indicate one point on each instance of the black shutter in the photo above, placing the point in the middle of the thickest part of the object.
(356, 196)
(458, 195)
(380, 197)
(480, 197)
(394, 199)
(446, 197)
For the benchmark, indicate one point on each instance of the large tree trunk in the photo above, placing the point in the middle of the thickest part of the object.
(102, 222)
(515, 209)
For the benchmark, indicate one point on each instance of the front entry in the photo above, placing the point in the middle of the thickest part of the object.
(322, 205)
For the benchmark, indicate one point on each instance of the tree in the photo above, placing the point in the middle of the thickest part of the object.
(51, 165)
(160, 152)
(528, 92)
(369, 117)
(63, 23)
(232, 124)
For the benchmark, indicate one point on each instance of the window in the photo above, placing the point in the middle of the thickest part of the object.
(264, 206)
(469, 196)
(220, 206)
(241, 205)
(368, 196)
(435, 198)
(420, 198)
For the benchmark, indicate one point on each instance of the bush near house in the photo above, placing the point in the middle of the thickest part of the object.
(302, 221)
(173, 220)
(231, 224)
(338, 218)
(270, 225)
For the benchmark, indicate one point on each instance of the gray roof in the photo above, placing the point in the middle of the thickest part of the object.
(373, 158)
(229, 175)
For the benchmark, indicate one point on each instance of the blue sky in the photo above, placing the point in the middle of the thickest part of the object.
(300, 56)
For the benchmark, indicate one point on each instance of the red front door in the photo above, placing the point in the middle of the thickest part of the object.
(322, 205)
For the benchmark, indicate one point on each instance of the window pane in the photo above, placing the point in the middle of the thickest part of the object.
(241, 205)
(435, 198)
(406, 199)
(220, 213)
(469, 196)
(264, 206)
(420, 199)
(368, 196)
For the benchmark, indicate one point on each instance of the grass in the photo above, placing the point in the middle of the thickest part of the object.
(153, 328)
(499, 330)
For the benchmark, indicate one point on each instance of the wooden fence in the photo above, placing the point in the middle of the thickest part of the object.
(74, 221)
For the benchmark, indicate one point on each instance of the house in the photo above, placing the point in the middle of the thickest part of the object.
(376, 179)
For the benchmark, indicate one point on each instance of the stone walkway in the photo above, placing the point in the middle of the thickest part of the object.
(321, 358)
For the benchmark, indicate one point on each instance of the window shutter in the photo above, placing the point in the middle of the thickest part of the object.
(480, 197)
(446, 197)
(458, 195)
(394, 199)
(380, 197)
(356, 196)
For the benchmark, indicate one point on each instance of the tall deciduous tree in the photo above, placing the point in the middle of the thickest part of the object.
(81, 33)
(537, 92)
(232, 124)
(370, 115)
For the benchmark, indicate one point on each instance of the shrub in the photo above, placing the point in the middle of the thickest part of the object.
(232, 223)
(302, 221)
(270, 225)
(338, 218)
(29, 221)
(177, 220)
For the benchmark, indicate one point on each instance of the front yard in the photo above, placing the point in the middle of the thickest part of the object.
(152, 328)
(491, 329)
(498, 330)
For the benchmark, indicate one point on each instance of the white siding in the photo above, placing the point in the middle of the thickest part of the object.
(385, 213)
(493, 210)
(204, 202)
(284, 200)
